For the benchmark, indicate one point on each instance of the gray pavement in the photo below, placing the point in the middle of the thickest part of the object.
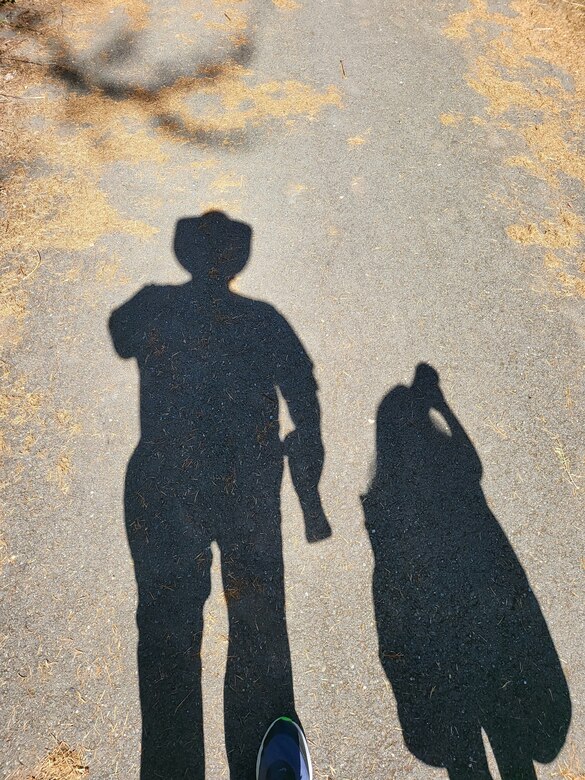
(377, 236)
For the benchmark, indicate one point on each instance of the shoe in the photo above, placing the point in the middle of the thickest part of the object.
(284, 753)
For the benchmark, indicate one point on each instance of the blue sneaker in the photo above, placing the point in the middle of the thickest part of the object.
(284, 753)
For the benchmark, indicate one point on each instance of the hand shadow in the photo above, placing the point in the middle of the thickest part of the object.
(461, 636)
(207, 468)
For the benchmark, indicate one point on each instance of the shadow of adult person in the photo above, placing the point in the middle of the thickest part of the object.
(461, 636)
(208, 468)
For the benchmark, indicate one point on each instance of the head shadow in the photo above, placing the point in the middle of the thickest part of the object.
(213, 367)
(212, 246)
(462, 638)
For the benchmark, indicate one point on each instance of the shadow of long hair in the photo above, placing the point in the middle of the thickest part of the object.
(462, 639)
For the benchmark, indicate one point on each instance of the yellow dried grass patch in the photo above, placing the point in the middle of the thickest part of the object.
(18, 405)
(62, 763)
(226, 182)
(286, 5)
(31, 421)
(571, 284)
(5, 557)
(61, 472)
(570, 769)
(237, 104)
(61, 212)
(509, 61)
(504, 93)
(568, 774)
(565, 233)
(83, 16)
(450, 120)
(16, 275)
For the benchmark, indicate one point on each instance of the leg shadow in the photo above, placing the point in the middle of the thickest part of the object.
(172, 560)
(462, 639)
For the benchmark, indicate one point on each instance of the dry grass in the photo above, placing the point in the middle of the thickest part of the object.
(34, 427)
(566, 233)
(62, 763)
(4, 554)
(574, 12)
(286, 5)
(570, 770)
(512, 59)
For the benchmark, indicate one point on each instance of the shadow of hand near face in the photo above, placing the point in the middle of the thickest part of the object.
(208, 468)
(461, 636)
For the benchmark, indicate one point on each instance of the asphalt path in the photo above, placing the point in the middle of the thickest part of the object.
(423, 612)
